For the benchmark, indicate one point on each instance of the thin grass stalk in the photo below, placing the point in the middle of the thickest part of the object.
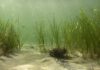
(40, 35)
(54, 28)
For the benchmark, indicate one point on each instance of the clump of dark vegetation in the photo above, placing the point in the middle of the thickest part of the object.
(9, 39)
(59, 53)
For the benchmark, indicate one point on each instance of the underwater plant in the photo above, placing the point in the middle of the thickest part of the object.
(9, 39)
(54, 28)
(88, 36)
(67, 30)
(40, 36)
(58, 33)
(59, 53)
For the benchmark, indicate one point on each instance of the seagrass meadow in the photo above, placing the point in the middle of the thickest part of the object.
(56, 27)
(60, 29)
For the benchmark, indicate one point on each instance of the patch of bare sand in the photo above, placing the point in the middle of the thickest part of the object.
(30, 59)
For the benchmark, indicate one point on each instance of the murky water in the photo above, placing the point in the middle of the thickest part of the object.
(28, 12)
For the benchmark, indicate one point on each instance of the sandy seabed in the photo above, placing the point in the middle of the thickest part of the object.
(32, 59)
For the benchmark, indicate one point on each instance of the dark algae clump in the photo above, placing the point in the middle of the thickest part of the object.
(59, 53)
